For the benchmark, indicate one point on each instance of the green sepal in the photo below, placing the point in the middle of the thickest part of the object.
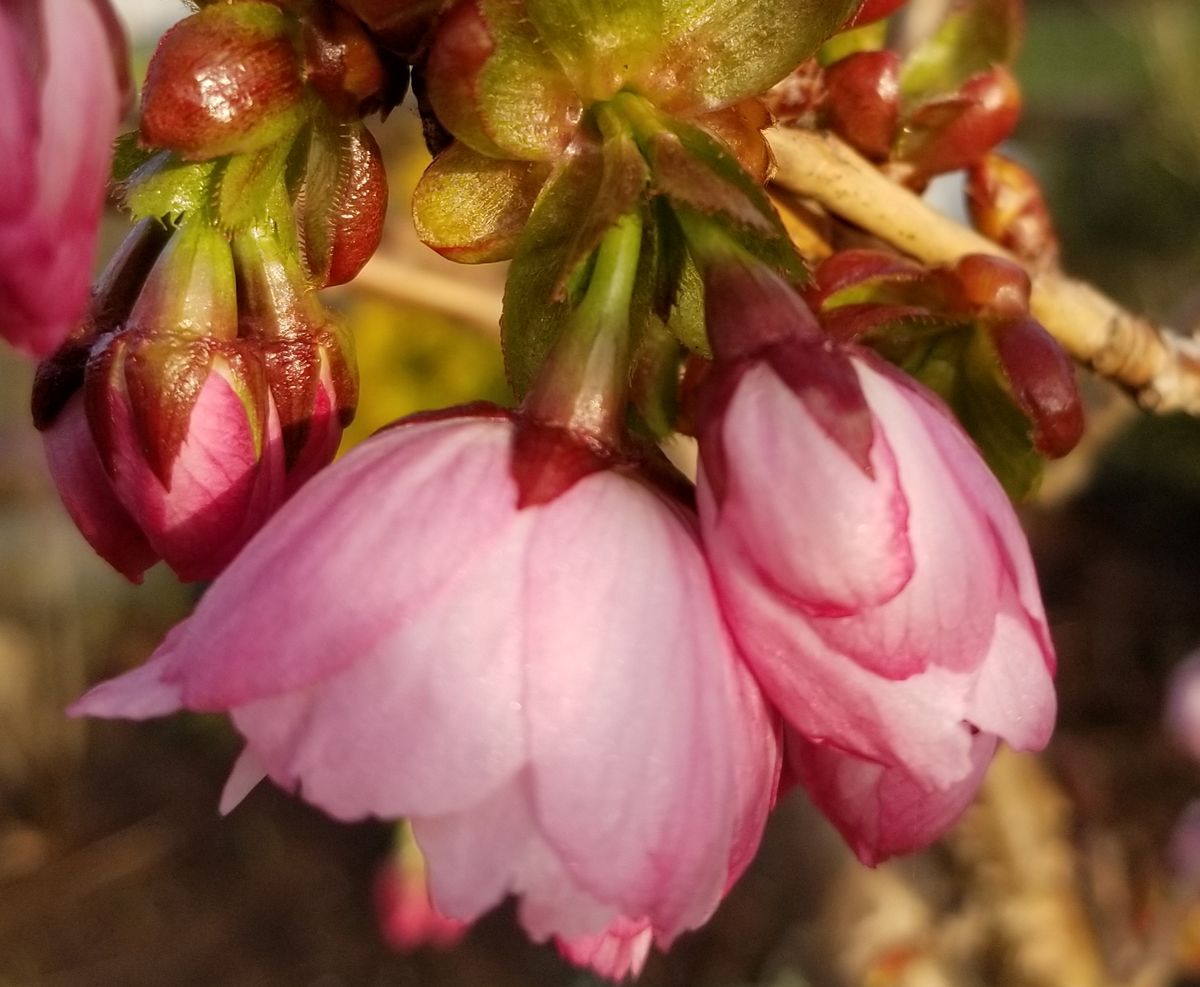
(975, 35)
(245, 184)
(164, 187)
(128, 156)
(717, 52)
(578, 204)
(472, 208)
(678, 300)
(599, 43)
(696, 172)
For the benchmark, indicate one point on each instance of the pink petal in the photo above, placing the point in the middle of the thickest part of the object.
(817, 526)
(423, 723)
(981, 488)
(945, 614)
(437, 492)
(88, 495)
(884, 811)
(477, 856)
(140, 694)
(915, 723)
(618, 952)
(630, 721)
(18, 118)
(223, 486)
(1013, 695)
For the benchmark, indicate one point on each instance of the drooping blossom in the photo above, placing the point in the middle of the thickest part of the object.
(62, 72)
(483, 625)
(869, 564)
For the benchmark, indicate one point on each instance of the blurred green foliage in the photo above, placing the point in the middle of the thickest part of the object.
(1111, 123)
(411, 360)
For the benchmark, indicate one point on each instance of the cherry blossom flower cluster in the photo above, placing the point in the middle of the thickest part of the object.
(583, 677)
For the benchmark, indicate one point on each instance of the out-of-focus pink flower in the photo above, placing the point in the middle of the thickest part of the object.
(1183, 705)
(870, 566)
(491, 630)
(407, 918)
(62, 73)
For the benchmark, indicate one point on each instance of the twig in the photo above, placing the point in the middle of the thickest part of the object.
(412, 285)
(1159, 366)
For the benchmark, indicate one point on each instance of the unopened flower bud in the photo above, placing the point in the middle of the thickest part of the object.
(64, 83)
(1007, 206)
(225, 80)
(343, 203)
(953, 132)
(340, 61)
(171, 449)
(306, 353)
(863, 101)
(993, 284)
(1041, 378)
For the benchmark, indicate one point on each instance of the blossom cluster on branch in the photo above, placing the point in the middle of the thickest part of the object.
(583, 677)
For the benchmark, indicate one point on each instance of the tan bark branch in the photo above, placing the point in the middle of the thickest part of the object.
(1159, 366)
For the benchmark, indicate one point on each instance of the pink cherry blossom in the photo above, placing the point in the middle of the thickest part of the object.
(547, 692)
(62, 75)
(871, 568)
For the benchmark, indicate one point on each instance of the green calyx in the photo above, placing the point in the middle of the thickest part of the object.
(583, 383)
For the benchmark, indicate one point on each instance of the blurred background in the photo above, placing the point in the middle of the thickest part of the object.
(1074, 869)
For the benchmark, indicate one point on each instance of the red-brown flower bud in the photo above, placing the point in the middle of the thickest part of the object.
(341, 62)
(993, 285)
(343, 203)
(307, 354)
(402, 25)
(863, 101)
(225, 80)
(1007, 206)
(1041, 378)
(955, 131)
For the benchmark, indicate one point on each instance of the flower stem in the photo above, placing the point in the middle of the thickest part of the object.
(584, 384)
